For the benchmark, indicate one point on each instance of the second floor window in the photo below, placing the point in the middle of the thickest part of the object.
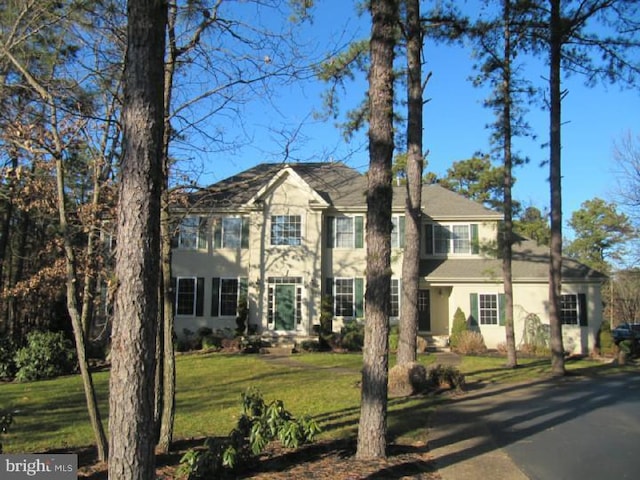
(231, 232)
(457, 239)
(286, 230)
(345, 232)
(192, 233)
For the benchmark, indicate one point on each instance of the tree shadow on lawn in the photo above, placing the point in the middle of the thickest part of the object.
(327, 459)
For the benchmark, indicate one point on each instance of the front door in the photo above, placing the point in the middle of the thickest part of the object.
(424, 311)
(285, 307)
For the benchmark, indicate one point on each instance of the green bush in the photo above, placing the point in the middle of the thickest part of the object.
(459, 325)
(5, 421)
(353, 336)
(605, 338)
(7, 358)
(259, 424)
(46, 355)
(310, 346)
(211, 342)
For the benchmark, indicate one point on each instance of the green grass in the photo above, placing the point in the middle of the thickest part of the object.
(51, 414)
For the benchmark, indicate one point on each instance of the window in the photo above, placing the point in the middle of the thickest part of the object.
(345, 232)
(441, 239)
(457, 239)
(397, 232)
(228, 296)
(231, 232)
(460, 237)
(225, 296)
(189, 296)
(347, 295)
(344, 297)
(573, 309)
(488, 309)
(192, 233)
(395, 298)
(286, 230)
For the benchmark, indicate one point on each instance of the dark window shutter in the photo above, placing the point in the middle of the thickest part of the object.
(174, 284)
(474, 320)
(358, 223)
(217, 233)
(243, 286)
(358, 289)
(428, 239)
(330, 222)
(200, 297)
(582, 310)
(501, 309)
(244, 240)
(401, 223)
(475, 242)
(215, 297)
(328, 286)
(202, 232)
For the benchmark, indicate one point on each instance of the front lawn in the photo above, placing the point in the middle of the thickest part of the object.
(51, 414)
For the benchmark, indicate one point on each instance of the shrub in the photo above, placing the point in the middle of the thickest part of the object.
(7, 358)
(459, 325)
(441, 376)
(46, 355)
(211, 342)
(470, 343)
(259, 424)
(5, 421)
(605, 338)
(310, 346)
(407, 379)
(353, 336)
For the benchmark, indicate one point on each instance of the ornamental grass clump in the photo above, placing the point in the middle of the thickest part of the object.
(407, 379)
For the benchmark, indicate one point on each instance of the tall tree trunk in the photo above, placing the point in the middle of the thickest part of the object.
(372, 430)
(131, 399)
(74, 314)
(555, 180)
(167, 377)
(407, 344)
(507, 246)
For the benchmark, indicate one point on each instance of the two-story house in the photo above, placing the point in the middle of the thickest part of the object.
(284, 235)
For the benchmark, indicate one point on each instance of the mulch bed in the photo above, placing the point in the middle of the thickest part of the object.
(330, 460)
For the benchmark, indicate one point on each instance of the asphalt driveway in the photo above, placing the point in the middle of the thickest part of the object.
(569, 428)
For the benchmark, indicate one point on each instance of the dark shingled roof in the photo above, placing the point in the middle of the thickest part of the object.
(530, 263)
(338, 184)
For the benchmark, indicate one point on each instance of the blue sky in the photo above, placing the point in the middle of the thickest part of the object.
(454, 121)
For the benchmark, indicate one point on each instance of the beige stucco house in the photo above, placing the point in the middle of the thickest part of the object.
(287, 234)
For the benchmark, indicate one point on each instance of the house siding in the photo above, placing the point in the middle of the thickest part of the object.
(450, 278)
